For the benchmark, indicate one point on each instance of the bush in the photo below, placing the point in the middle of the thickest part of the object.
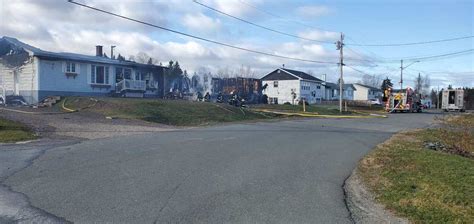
(301, 102)
(287, 103)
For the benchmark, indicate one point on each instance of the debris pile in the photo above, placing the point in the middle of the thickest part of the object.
(437, 146)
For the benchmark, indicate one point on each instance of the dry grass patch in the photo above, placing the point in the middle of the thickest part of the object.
(424, 185)
(11, 131)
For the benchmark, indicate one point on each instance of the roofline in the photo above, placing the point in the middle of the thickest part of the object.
(299, 78)
(117, 62)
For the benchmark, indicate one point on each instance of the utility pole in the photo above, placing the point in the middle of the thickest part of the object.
(340, 46)
(437, 98)
(401, 75)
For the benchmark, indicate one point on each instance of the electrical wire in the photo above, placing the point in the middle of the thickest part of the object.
(282, 18)
(200, 38)
(413, 43)
(260, 26)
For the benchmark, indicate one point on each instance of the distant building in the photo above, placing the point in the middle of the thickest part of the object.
(34, 74)
(332, 91)
(248, 88)
(290, 86)
(366, 93)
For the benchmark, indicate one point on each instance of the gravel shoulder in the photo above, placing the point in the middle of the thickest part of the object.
(362, 205)
(80, 125)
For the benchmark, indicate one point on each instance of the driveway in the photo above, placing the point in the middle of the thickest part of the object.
(269, 172)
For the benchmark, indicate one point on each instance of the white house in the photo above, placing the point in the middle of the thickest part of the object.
(34, 74)
(285, 85)
(365, 92)
(332, 91)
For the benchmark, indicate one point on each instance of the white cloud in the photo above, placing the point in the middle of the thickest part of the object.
(313, 10)
(68, 28)
(320, 35)
(201, 22)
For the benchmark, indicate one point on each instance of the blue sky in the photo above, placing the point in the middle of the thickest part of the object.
(60, 26)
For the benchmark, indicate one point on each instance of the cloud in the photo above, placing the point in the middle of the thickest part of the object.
(320, 35)
(233, 7)
(313, 11)
(64, 27)
(201, 22)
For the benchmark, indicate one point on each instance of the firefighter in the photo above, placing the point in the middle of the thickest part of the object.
(199, 96)
(220, 98)
(207, 97)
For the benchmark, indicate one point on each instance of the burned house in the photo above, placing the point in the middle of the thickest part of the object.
(32, 74)
(249, 89)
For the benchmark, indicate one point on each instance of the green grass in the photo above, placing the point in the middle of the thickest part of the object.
(320, 109)
(423, 185)
(13, 132)
(170, 112)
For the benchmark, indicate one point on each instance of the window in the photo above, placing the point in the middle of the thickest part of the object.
(138, 76)
(99, 74)
(275, 83)
(318, 87)
(70, 67)
(123, 73)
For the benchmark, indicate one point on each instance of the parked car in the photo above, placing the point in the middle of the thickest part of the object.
(375, 102)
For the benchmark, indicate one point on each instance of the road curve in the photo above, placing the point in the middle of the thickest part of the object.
(269, 172)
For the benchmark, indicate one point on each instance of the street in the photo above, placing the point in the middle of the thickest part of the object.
(289, 171)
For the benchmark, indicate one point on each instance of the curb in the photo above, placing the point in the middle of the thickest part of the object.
(320, 115)
(31, 112)
(362, 205)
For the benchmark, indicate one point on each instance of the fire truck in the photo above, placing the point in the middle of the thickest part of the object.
(405, 100)
(453, 100)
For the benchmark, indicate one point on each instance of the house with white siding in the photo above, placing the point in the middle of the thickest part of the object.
(34, 74)
(290, 86)
(366, 93)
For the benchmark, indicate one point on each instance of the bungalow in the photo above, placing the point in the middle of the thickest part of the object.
(34, 74)
(366, 93)
(290, 86)
(332, 91)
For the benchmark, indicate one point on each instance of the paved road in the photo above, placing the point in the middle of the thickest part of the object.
(272, 172)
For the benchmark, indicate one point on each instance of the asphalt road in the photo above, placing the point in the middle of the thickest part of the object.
(269, 172)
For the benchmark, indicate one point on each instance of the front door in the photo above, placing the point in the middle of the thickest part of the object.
(16, 84)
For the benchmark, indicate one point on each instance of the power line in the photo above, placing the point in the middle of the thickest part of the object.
(282, 18)
(260, 26)
(413, 43)
(197, 37)
(355, 69)
(442, 55)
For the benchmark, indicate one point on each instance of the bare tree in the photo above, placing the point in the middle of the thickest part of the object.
(144, 58)
(422, 84)
(372, 80)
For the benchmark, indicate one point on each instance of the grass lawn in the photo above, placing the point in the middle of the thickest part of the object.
(171, 112)
(425, 185)
(13, 132)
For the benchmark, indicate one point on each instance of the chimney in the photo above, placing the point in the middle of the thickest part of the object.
(98, 51)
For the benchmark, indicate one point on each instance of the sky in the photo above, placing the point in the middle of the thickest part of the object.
(57, 25)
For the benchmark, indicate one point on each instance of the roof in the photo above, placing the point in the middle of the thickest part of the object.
(34, 51)
(367, 86)
(336, 86)
(288, 74)
(301, 74)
